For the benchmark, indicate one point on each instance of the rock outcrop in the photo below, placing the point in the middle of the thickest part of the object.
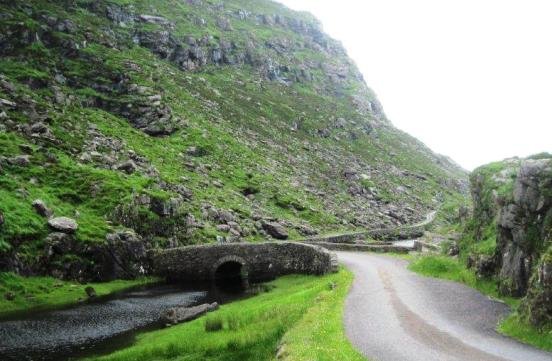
(515, 198)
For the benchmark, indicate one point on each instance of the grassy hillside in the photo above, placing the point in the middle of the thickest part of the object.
(180, 121)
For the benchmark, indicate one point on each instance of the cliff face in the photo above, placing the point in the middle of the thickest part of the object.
(515, 199)
(164, 123)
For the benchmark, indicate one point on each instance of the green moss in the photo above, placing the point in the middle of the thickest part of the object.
(515, 326)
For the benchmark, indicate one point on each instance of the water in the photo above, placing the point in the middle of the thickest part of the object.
(102, 326)
(406, 243)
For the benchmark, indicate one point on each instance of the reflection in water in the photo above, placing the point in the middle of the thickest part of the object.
(406, 243)
(105, 325)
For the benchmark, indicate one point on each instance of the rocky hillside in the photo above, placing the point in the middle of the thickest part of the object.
(512, 230)
(132, 124)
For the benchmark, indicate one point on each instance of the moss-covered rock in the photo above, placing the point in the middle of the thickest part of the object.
(512, 229)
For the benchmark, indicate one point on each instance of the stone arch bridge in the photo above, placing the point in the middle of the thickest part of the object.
(252, 261)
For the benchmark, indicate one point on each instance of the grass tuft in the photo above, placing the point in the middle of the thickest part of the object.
(213, 324)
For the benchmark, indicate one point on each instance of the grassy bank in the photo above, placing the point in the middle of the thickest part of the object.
(300, 317)
(454, 270)
(32, 293)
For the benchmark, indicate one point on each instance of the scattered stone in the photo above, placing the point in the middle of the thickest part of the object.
(453, 250)
(223, 228)
(128, 167)
(7, 103)
(63, 224)
(26, 148)
(276, 230)
(224, 24)
(41, 208)
(90, 292)
(485, 266)
(20, 160)
(177, 315)
(154, 19)
(59, 243)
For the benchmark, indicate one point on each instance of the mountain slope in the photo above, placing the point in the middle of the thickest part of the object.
(159, 123)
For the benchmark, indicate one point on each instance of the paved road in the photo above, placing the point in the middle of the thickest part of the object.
(392, 314)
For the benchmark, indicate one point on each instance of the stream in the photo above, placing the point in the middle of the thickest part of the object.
(103, 325)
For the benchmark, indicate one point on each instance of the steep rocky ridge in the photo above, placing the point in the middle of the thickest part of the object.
(512, 229)
(156, 123)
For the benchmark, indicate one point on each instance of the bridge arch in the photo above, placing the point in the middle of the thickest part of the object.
(230, 267)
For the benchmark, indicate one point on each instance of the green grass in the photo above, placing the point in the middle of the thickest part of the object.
(319, 335)
(303, 310)
(513, 326)
(452, 269)
(34, 293)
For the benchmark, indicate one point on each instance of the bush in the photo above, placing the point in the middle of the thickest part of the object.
(213, 324)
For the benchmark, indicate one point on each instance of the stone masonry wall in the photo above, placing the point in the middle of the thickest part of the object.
(262, 261)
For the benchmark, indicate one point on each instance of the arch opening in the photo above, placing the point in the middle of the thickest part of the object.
(230, 271)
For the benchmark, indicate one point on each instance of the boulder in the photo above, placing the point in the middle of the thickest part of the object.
(41, 208)
(453, 250)
(128, 166)
(224, 216)
(20, 160)
(151, 19)
(63, 224)
(59, 243)
(223, 228)
(177, 315)
(124, 256)
(485, 266)
(224, 24)
(275, 230)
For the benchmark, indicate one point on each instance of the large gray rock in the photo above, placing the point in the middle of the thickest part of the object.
(151, 19)
(63, 224)
(177, 315)
(128, 166)
(20, 160)
(276, 230)
(41, 208)
(123, 256)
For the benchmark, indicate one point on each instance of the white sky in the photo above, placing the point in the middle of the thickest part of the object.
(470, 78)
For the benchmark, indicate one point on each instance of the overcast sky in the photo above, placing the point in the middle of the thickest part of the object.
(470, 78)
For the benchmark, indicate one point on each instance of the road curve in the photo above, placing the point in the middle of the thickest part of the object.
(392, 314)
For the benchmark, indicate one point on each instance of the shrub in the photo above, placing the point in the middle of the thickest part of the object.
(213, 324)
